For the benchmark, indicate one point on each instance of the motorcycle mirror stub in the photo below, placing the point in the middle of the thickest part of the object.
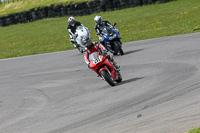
(114, 24)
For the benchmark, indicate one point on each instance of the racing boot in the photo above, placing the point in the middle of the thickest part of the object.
(114, 62)
(116, 65)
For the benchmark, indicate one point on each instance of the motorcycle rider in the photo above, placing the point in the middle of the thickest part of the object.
(94, 47)
(72, 26)
(99, 26)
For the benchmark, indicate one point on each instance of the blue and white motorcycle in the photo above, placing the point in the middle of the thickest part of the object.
(110, 38)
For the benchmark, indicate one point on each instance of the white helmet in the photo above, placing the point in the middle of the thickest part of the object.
(86, 41)
(81, 32)
(97, 19)
(71, 21)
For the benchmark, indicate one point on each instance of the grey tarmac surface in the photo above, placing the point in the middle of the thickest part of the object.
(57, 93)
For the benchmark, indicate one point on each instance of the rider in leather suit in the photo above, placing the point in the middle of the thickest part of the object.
(93, 47)
(73, 24)
(100, 24)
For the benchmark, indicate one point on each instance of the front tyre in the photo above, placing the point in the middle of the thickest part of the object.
(107, 77)
(119, 48)
(119, 77)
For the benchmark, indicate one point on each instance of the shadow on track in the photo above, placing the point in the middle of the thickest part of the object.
(132, 51)
(129, 80)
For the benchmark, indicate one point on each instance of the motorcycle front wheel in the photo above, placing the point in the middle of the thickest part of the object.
(117, 47)
(120, 77)
(107, 77)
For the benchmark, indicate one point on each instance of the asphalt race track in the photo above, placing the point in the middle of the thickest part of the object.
(57, 93)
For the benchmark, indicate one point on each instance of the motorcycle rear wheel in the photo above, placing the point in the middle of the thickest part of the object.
(107, 77)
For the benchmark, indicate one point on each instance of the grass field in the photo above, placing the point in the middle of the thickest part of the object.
(25, 5)
(196, 130)
(138, 23)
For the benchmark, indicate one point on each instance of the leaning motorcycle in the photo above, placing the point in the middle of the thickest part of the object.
(81, 31)
(111, 39)
(104, 68)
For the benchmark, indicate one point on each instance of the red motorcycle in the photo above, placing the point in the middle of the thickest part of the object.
(104, 68)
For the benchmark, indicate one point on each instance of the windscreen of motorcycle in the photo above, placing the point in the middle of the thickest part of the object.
(108, 31)
(93, 56)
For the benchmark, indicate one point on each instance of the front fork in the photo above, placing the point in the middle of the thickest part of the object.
(105, 68)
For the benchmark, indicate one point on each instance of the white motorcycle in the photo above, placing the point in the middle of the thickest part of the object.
(81, 31)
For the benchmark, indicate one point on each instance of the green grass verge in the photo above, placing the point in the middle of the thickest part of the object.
(138, 23)
(26, 5)
(196, 130)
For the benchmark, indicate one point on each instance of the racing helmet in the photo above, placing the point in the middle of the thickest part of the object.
(86, 41)
(71, 21)
(97, 19)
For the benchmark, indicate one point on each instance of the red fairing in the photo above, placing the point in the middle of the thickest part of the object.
(105, 62)
(96, 47)
(86, 59)
(109, 64)
(98, 63)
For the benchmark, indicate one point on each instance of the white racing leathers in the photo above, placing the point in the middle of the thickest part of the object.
(81, 31)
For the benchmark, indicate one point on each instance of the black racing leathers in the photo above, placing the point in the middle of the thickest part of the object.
(72, 30)
(99, 27)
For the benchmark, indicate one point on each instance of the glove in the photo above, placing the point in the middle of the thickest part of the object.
(104, 53)
(95, 43)
(71, 42)
(78, 45)
(112, 27)
(74, 36)
(89, 65)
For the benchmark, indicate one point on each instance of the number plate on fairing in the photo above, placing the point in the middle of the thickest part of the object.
(97, 60)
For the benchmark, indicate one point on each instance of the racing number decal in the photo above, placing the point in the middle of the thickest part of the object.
(97, 60)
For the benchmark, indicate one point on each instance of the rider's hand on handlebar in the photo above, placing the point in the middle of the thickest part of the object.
(104, 53)
(71, 42)
(74, 36)
(88, 65)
